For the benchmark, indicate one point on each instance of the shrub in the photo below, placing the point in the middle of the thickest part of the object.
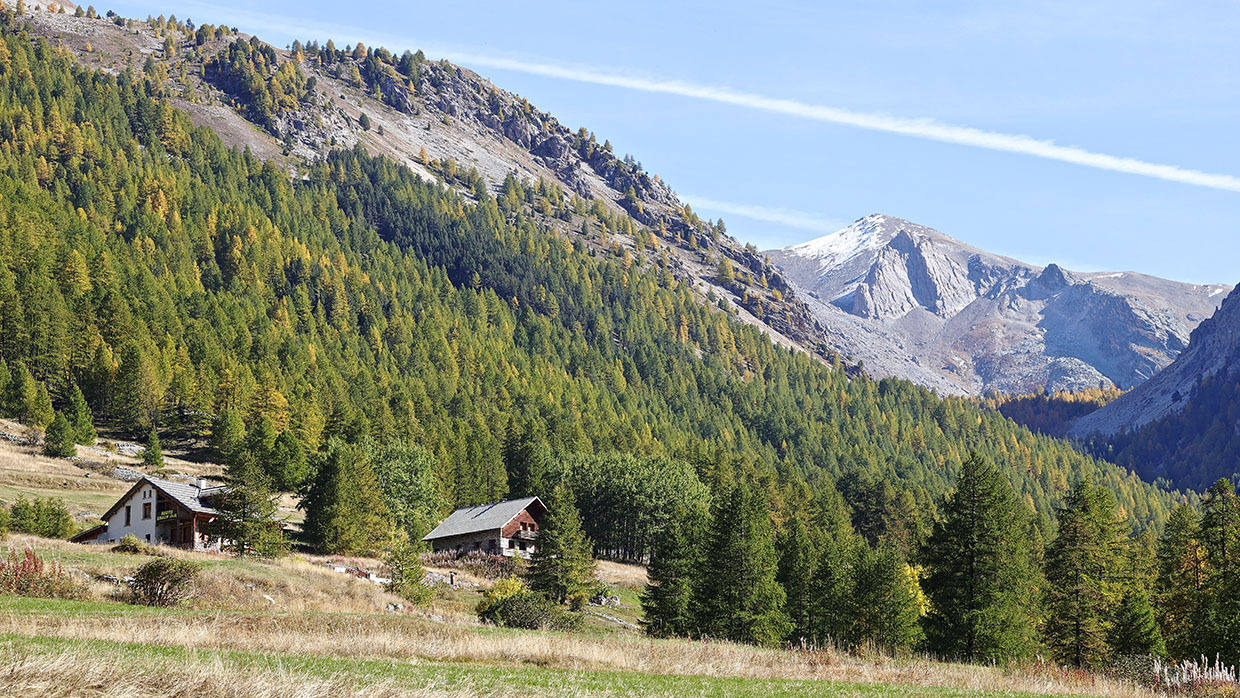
(531, 611)
(27, 574)
(163, 582)
(59, 441)
(405, 568)
(48, 518)
(132, 546)
(511, 604)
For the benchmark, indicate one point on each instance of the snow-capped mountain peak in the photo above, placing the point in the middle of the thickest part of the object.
(869, 233)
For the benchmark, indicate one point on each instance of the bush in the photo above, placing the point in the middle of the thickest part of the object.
(59, 441)
(48, 518)
(405, 568)
(531, 611)
(27, 574)
(163, 582)
(132, 546)
(511, 604)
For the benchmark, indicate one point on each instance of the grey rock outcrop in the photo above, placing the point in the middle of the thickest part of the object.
(911, 302)
(1213, 349)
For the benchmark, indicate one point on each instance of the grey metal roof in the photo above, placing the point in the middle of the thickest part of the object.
(188, 495)
(484, 517)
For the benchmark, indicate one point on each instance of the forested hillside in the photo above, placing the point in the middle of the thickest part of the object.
(171, 279)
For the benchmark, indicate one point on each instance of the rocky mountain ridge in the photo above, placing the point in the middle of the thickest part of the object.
(909, 301)
(446, 122)
(1213, 353)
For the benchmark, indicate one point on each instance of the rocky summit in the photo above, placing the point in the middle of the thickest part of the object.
(1213, 353)
(908, 301)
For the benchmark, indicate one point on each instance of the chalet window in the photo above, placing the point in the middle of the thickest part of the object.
(128, 511)
(512, 544)
(146, 510)
(523, 546)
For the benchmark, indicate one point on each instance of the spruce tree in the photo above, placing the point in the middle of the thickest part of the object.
(152, 453)
(738, 598)
(981, 576)
(80, 418)
(289, 464)
(1219, 626)
(1082, 565)
(227, 435)
(798, 560)
(248, 522)
(58, 442)
(41, 413)
(668, 597)
(1181, 584)
(1135, 631)
(888, 600)
(260, 439)
(835, 609)
(562, 566)
(345, 513)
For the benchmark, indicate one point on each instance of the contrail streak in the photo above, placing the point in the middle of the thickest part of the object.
(929, 129)
(919, 128)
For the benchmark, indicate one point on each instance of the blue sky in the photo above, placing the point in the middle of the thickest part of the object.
(1155, 83)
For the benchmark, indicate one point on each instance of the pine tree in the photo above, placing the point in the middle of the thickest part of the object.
(562, 566)
(227, 436)
(981, 578)
(288, 462)
(1082, 564)
(888, 600)
(1219, 625)
(738, 598)
(80, 418)
(797, 566)
(345, 513)
(667, 600)
(58, 442)
(1181, 583)
(248, 522)
(1135, 631)
(152, 453)
(41, 413)
(260, 439)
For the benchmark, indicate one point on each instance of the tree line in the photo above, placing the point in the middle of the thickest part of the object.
(984, 586)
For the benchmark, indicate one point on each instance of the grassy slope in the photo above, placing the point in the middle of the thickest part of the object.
(465, 677)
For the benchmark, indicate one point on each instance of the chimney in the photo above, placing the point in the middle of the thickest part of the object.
(202, 483)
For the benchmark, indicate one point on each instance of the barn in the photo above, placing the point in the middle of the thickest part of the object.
(508, 528)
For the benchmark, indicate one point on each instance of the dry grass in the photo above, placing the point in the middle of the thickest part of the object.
(621, 575)
(295, 584)
(402, 638)
(76, 673)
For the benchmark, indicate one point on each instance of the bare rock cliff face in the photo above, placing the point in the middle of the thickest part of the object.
(911, 302)
(1213, 350)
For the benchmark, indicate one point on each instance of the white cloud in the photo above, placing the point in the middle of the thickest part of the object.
(781, 216)
(929, 129)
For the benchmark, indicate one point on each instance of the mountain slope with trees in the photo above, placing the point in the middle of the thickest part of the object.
(1181, 425)
(172, 280)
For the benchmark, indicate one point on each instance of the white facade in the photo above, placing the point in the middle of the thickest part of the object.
(154, 517)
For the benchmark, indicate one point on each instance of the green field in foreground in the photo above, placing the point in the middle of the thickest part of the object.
(465, 678)
(468, 678)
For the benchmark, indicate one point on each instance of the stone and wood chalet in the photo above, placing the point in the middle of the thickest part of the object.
(160, 512)
(506, 528)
